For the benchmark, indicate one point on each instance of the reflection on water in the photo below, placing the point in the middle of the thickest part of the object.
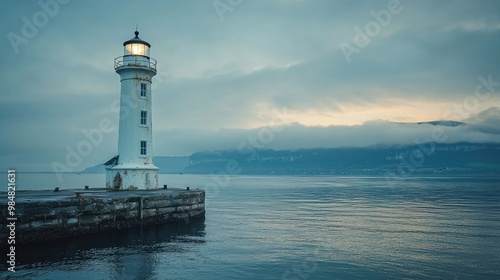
(125, 254)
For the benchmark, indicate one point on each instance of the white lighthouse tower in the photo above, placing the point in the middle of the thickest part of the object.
(133, 167)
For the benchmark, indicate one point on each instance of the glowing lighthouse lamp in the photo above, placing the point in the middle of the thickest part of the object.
(133, 167)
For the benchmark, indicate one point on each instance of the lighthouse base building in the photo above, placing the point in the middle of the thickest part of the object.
(122, 176)
(133, 178)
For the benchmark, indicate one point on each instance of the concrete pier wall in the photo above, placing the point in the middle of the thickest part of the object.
(44, 215)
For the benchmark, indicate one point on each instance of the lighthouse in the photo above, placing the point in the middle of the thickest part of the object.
(133, 167)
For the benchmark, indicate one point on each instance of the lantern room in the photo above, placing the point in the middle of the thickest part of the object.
(136, 46)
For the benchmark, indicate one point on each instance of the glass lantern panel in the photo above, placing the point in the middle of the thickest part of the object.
(136, 49)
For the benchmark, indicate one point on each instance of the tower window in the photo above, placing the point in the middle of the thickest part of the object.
(144, 117)
(143, 148)
(144, 88)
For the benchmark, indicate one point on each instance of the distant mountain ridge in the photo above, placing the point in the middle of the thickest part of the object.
(444, 123)
(429, 158)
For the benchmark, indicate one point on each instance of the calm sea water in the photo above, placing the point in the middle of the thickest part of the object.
(292, 227)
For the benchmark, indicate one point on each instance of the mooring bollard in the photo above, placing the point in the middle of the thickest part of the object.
(187, 188)
(165, 186)
(87, 187)
(56, 189)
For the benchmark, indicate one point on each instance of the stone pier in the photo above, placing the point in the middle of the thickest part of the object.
(50, 215)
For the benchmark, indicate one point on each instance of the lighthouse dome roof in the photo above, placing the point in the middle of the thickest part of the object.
(136, 40)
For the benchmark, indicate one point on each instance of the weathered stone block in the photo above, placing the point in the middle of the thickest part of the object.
(88, 219)
(166, 210)
(183, 208)
(46, 224)
(39, 210)
(149, 213)
(66, 211)
(120, 206)
(72, 221)
(131, 214)
(157, 203)
(98, 208)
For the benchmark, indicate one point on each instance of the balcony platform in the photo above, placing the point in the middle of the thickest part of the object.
(135, 61)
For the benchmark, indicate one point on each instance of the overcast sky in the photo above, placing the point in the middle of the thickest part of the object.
(320, 73)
